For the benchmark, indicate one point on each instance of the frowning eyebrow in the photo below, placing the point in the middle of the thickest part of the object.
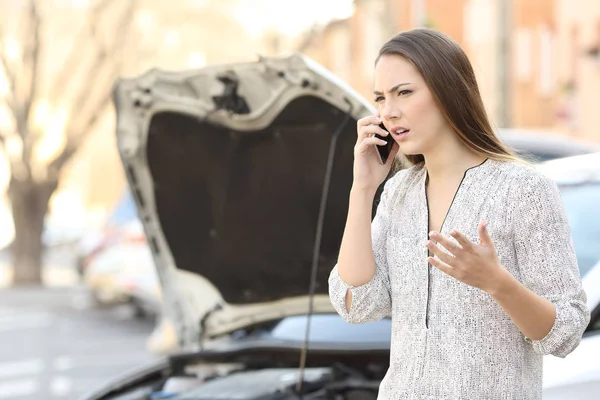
(398, 86)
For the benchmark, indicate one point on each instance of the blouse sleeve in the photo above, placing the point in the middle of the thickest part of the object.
(548, 264)
(371, 301)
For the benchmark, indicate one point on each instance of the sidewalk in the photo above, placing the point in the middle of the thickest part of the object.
(59, 269)
(50, 299)
(53, 276)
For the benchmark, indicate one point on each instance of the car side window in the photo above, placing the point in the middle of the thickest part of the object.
(594, 325)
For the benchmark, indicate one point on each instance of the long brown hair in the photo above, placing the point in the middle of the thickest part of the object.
(449, 75)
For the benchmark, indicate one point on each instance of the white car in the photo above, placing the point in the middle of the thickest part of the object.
(123, 271)
(578, 375)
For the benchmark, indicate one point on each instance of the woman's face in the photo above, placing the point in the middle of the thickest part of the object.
(407, 107)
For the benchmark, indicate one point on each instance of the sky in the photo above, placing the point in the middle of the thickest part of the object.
(290, 17)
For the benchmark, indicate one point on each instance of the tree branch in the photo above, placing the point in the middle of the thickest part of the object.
(10, 77)
(32, 54)
(65, 76)
(76, 141)
(102, 56)
(35, 53)
(78, 132)
(31, 77)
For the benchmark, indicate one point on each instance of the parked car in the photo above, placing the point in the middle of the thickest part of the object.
(538, 146)
(110, 232)
(124, 272)
(578, 375)
(231, 165)
(116, 264)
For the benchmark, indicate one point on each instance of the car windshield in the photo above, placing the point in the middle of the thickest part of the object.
(582, 203)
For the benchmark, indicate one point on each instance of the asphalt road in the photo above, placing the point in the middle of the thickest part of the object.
(54, 346)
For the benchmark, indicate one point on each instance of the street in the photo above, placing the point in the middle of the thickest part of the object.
(54, 346)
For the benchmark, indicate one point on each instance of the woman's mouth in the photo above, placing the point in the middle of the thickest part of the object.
(400, 132)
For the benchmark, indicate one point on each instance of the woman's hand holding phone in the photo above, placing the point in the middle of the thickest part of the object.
(369, 172)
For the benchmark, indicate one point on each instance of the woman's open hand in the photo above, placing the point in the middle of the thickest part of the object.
(475, 264)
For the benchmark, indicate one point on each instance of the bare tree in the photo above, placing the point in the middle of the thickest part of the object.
(83, 83)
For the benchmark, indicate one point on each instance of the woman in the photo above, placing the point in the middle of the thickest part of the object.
(470, 249)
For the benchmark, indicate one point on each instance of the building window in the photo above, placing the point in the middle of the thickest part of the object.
(480, 23)
(523, 50)
(546, 61)
(342, 55)
(374, 34)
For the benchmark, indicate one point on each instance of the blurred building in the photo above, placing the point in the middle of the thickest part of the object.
(536, 61)
(578, 66)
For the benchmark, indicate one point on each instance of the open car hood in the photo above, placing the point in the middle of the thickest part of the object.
(227, 165)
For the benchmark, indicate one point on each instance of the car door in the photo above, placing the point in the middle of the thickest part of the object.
(578, 375)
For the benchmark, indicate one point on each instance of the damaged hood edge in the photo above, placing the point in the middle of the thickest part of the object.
(189, 298)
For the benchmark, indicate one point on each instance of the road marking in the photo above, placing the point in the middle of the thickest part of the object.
(25, 321)
(62, 363)
(10, 311)
(21, 368)
(60, 386)
(65, 363)
(18, 388)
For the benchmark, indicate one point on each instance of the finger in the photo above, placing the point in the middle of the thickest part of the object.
(484, 235)
(464, 241)
(375, 127)
(368, 120)
(446, 242)
(445, 257)
(369, 141)
(442, 266)
(371, 130)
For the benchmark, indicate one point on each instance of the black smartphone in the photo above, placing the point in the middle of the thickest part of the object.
(384, 151)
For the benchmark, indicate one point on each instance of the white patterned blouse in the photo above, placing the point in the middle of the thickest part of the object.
(451, 340)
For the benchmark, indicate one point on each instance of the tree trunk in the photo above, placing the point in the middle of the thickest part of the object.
(29, 202)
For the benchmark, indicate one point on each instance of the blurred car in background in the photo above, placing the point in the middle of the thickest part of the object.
(578, 375)
(229, 162)
(538, 146)
(116, 265)
(122, 271)
(62, 232)
(98, 239)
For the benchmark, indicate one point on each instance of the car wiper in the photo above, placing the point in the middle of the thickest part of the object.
(319, 234)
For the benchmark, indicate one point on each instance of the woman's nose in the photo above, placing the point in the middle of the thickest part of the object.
(390, 113)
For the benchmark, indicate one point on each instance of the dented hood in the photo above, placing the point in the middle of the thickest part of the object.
(227, 165)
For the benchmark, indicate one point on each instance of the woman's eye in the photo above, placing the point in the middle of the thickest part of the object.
(404, 92)
(378, 99)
